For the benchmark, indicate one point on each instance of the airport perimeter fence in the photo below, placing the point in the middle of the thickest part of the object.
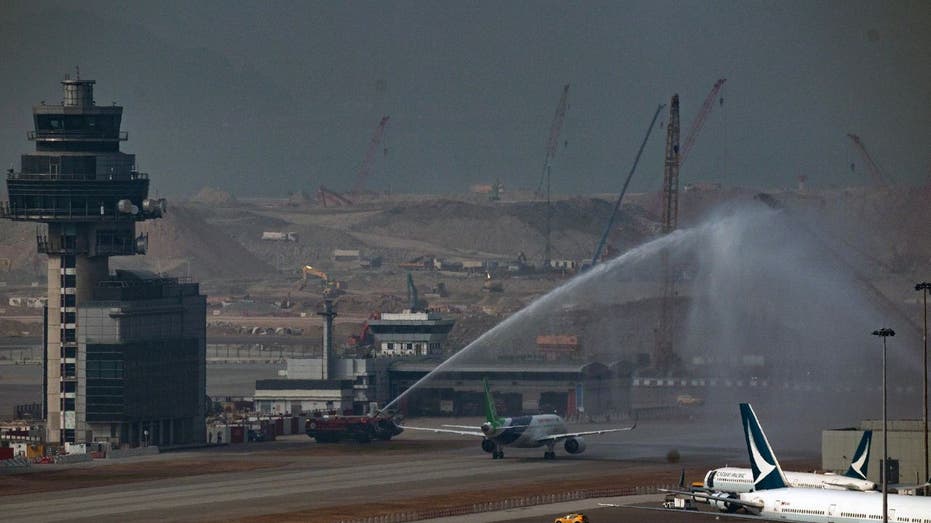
(510, 503)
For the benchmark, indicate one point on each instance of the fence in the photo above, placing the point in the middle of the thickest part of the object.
(509, 503)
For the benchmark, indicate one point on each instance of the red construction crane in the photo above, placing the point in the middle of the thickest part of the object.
(552, 143)
(876, 173)
(366, 170)
(699, 120)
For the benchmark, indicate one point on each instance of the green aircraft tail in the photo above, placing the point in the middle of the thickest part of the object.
(490, 415)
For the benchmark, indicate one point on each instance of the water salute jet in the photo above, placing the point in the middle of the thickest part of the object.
(528, 432)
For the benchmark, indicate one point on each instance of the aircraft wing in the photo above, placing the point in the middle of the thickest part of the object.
(850, 486)
(712, 497)
(567, 435)
(472, 427)
(902, 486)
(447, 431)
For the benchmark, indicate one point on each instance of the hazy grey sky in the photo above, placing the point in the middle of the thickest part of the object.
(266, 98)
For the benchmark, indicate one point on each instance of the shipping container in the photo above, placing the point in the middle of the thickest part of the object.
(6, 453)
(237, 434)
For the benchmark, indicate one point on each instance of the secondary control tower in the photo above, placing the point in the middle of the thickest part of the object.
(89, 195)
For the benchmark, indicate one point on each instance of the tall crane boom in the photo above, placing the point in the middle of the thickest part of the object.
(699, 121)
(617, 204)
(366, 170)
(876, 173)
(552, 142)
(671, 170)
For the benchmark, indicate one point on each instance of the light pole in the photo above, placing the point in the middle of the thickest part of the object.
(884, 333)
(925, 287)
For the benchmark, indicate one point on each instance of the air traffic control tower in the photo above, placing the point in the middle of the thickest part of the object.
(90, 196)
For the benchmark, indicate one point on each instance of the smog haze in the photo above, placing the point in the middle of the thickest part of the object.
(266, 99)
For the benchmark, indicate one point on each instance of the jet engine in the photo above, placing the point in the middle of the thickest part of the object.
(488, 446)
(575, 445)
(719, 500)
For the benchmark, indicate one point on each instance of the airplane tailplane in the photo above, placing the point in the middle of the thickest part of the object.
(767, 474)
(861, 458)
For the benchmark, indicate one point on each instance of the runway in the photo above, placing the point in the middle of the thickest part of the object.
(300, 477)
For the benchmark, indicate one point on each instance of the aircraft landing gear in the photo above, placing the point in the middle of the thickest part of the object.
(549, 455)
(498, 454)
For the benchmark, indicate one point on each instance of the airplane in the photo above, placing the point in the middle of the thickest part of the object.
(773, 498)
(521, 432)
(735, 480)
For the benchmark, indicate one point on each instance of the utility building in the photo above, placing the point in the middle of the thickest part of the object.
(90, 196)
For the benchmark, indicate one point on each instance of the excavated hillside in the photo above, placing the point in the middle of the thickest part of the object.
(184, 243)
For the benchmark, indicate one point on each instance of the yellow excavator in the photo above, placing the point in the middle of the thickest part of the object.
(331, 288)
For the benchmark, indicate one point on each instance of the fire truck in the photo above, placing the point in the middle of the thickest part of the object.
(332, 428)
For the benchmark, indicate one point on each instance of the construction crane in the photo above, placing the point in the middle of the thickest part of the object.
(366, 169)
(617, 205)
(699, 120)
(329, 198)
(876, 173)
(552, 142)
(671, 170)
(664, 356)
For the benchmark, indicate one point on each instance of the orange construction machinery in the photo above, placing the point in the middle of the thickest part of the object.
(331, 288)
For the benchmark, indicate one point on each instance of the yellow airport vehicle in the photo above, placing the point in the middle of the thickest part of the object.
(572, 518)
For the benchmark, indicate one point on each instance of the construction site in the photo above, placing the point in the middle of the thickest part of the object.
(249, 356)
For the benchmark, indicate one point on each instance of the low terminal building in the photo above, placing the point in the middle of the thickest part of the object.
(906, 450)
(571, 390)
(351, 387)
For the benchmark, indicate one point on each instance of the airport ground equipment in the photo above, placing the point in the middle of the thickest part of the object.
(572, 518)
(363, 429)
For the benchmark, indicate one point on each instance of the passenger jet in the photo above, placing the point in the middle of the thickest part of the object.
(773, 498)
(541, 430)
(734, 480)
